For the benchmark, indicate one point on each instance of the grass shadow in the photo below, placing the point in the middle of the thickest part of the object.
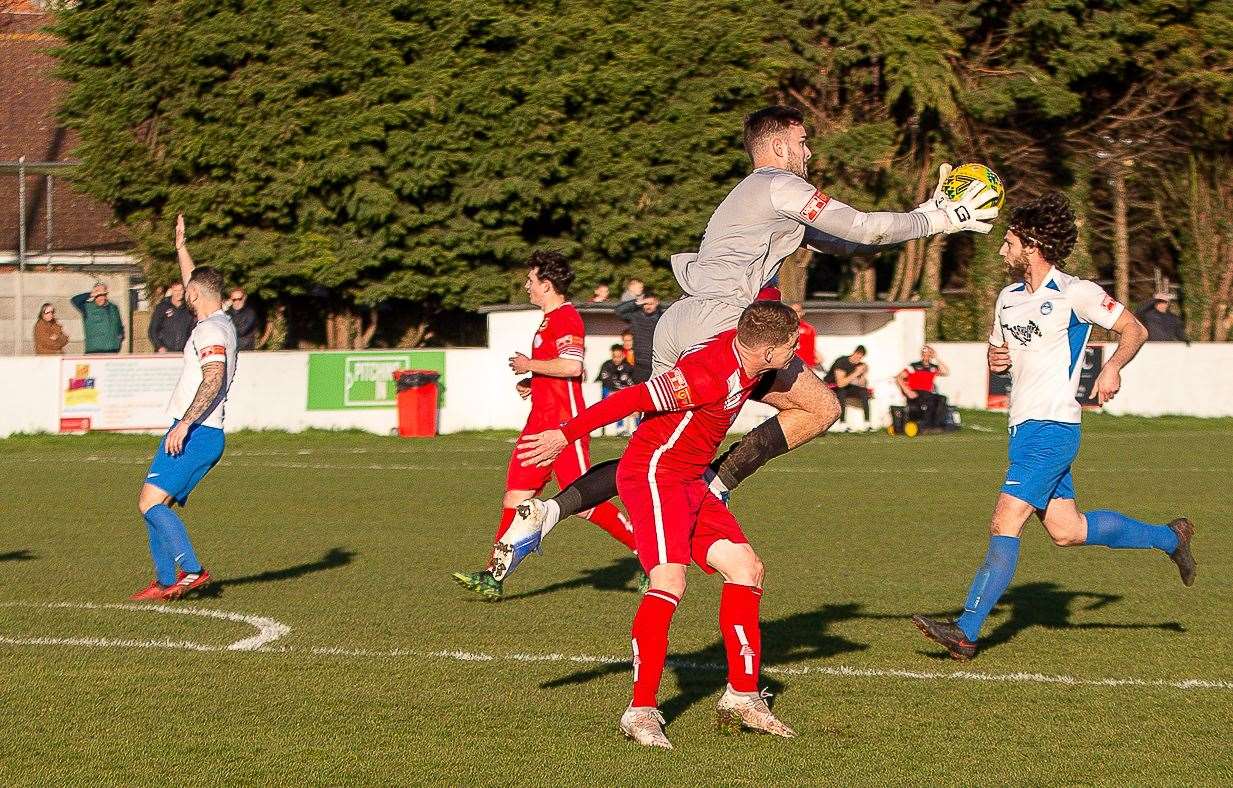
(616, 576)
(18, 555)
(701, 673)
(334, 558)
(1049, 606)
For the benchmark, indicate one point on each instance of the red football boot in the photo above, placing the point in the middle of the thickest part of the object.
(187, 582)
(151, 593)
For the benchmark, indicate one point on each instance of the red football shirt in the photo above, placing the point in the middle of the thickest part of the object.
(560, 335)
(695, 404)
(808, 350)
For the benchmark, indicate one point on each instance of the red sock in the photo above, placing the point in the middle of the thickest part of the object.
(650, 639)
(617, 525)
(738, 623)
(507, 518)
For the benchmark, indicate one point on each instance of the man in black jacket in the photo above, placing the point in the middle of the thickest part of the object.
(171, 322)
(642, 313)
(1162, 325)
(245, 319)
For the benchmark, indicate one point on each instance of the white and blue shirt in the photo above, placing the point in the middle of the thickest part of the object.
(213, 339)
(1046, 330)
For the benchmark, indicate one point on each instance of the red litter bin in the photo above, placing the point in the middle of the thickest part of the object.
(417, 402)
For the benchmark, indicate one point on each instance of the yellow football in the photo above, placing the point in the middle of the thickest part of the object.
(965, 175)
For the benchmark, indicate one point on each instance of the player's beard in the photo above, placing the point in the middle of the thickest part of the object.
(797, 165)
(1018, 265)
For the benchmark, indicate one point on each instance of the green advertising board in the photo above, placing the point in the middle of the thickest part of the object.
(365, 378)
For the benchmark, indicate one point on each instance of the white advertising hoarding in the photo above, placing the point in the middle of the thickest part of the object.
(117, 392)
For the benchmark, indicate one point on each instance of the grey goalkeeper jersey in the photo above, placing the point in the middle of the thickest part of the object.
(766, 218)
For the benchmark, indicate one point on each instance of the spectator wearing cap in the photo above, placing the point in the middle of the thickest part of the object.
(1162, 325)
(49, 336)
(104, 330)
(171, 321)
(245, 319)
(916, 381)
(808, 349)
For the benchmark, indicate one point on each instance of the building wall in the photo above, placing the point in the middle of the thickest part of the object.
(56, 287)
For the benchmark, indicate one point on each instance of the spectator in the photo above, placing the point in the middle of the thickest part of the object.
(916, 381)
(642, 314)
(104, 330)
(601, 295)
(171, 322)
(615, 374)
(245, 319)
(627, 341)
(633, 289)
(1162, 325)
(849, 377)
(808, 350)
(49, 335)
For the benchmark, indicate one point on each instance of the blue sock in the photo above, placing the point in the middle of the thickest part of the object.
(1114, 529)
(164, 564)
(175, 536)
(989, 584)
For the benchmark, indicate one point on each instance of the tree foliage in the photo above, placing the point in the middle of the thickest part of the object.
(400, 152)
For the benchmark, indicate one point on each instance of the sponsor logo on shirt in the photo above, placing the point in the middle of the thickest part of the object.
(1023, 334)
(815, 205)
(678, 387)
(1108, 303)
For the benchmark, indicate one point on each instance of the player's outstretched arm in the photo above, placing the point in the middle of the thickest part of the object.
(186, 260)
(1131, 336)
(541, 449)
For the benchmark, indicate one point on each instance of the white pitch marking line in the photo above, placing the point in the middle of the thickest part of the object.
(268, 630)
(273, 630)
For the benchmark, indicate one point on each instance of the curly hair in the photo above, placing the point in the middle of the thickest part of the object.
(554, 268)
(1048, 224)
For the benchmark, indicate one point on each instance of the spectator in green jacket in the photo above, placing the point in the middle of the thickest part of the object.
(103, 328)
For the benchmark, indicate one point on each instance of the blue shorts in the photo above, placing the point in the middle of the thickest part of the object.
(1041, 453)
(177, 476)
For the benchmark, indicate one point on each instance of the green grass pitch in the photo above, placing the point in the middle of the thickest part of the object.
(1098, 666)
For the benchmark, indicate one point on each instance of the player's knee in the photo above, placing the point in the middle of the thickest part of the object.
(669, 578)
(743, 566)
(1068, 537)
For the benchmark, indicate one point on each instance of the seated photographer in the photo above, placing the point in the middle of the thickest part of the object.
(916, 381)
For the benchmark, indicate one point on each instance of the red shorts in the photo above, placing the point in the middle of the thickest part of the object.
(675, 521)
(569, 465)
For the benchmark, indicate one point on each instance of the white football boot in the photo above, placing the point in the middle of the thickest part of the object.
(750, 710)
(644, 724)
(521, 538)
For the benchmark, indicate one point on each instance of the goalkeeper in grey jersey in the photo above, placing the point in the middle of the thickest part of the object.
(765, 218)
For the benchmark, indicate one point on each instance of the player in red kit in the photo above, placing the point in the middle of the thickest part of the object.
(555, 390)
(677, 519)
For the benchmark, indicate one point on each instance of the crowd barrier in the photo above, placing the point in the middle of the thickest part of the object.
(354, 389)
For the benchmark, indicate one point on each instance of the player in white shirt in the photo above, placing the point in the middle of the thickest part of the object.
(194, 443)
(1040, 328)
